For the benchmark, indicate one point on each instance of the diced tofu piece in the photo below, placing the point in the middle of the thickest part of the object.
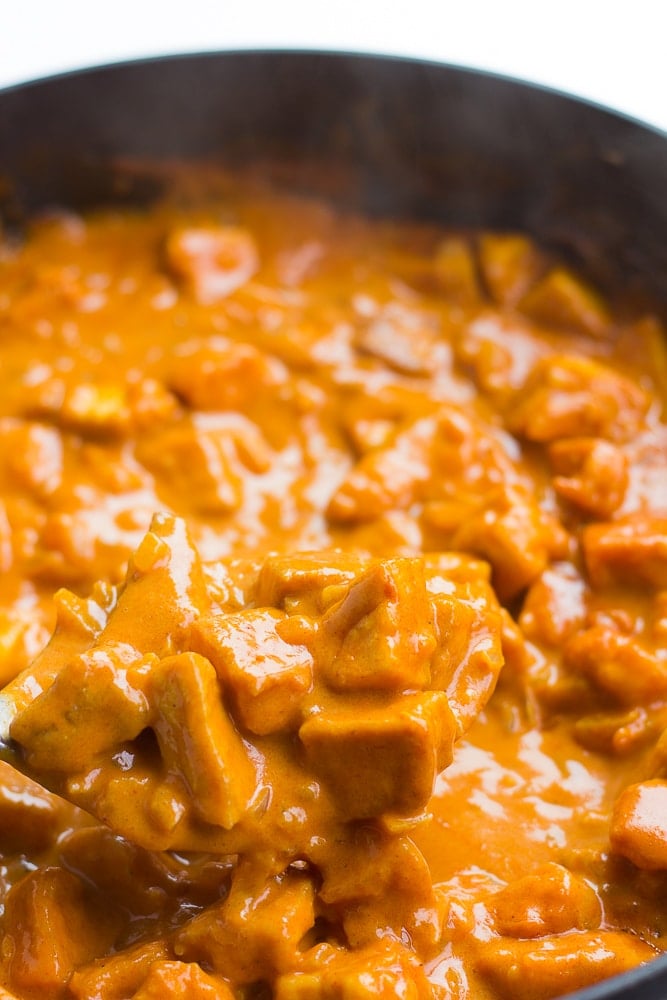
(96, 407)
(381, 633)
(639, 825)
(382, 758)
(446, 571)
(508, 262)
(96, 702)
(629, 551)
(397, 532)
(100, 409)
(30, 817)
(384, 970)
(456, 270)
(555, 605)
(211, 262)
(255, 933)
(14, 631)
(402, 338)
(119, 976)
(164, 590)
(618, 664)
(86, 407)
(265, 675)
(563, 963)
(141, 803)
(552, 901)
(34, 455)
(374, 880)
(469, 654)
(590, 473)
(77, 545)
(150, 403)
(78, 623)
(367, 864)
(499, 350)
(222, 375)
(198, 741)
(198, 462)
(181, 981)
(297, 575)
(568, 396)
(562, 300)
(83, 617)
(516, 537)
(51, 926)
(386, 478)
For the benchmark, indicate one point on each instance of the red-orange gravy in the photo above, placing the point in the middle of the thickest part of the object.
(351, 540)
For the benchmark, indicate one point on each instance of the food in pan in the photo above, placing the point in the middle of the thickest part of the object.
(333, 621)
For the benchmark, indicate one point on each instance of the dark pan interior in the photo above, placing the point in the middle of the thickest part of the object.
(415, 138)
(398, 137)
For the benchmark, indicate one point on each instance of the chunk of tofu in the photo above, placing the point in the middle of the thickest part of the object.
(265, 676)
(512, 532)
(298, 575)
(255, 933)
(220, 374)
(383, 758)
(618, 664)
(101, 409)
(207, 458)
(118, 976)
(168, 980)
(569, 396)
(548, 967)
(388, 477)
(95, 703)
(372, 879)
(52, 925)
(591, 474)
(632, 550)
(198, 740)
(30, 817)
(508, 263)
(469, 654)
(555, 605)
(639, 825)
(455, 270)
(381, 632)
(401, 337)
(211, 262)
(384, 969)
(34, 455)
(551, 901)
(562, 300)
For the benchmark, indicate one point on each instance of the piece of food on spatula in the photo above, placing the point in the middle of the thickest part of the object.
(250, 705)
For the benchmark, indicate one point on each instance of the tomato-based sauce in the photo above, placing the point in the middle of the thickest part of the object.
(333, 610)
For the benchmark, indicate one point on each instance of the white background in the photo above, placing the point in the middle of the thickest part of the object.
(612, 52)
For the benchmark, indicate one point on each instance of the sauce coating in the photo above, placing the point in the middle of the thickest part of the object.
(354, 683)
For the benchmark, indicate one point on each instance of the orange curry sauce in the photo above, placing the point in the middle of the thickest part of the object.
(352, 538)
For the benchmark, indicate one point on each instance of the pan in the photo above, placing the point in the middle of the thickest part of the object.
(398, 137)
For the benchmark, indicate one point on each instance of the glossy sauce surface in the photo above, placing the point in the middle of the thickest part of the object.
(358, 538)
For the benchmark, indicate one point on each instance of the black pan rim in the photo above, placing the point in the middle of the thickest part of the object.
(333, 55)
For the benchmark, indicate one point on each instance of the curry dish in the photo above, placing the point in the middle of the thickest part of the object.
(333, 611)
